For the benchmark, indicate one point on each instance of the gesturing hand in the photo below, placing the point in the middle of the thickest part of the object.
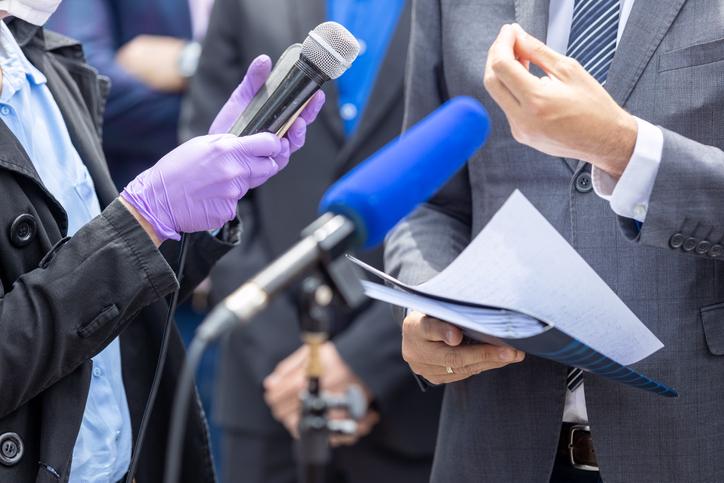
(433, 350)
(285, 384)
(566, 113)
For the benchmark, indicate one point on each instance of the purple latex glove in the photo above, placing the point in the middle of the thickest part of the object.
(196, 186)
(256, 76)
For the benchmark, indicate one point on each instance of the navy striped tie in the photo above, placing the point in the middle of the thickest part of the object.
(592, 43)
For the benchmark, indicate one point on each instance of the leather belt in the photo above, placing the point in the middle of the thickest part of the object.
(576, 446)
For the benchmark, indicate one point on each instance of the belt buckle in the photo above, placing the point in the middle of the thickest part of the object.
(579, 466)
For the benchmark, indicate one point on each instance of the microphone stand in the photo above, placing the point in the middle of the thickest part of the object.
(315, 428)
(320, 253)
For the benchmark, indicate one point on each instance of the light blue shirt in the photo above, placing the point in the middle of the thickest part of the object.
(102, 451)
(373, 23)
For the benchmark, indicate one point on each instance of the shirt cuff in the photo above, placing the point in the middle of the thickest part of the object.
(629, 196)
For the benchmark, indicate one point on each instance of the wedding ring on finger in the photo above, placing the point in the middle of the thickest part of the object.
(449, 370)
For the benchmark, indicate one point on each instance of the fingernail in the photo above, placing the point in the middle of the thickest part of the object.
(506, 355)
(449, 336)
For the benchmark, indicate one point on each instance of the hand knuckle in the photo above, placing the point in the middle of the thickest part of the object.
(453, 358)
(486, 354)
(539, 50)
(489, 79)
(498, 64)
(409, 328)
(566, 65)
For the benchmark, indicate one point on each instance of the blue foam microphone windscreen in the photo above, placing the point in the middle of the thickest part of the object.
(385, 188)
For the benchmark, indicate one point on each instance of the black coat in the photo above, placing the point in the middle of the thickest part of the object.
(62, 300)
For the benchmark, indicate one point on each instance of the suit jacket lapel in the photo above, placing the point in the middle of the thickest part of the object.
(388, 86)
(306, 15)
(641, 36)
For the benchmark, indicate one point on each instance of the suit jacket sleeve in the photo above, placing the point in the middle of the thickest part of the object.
(429, 239)
(221, 68)
(83, 294)
(686, 201)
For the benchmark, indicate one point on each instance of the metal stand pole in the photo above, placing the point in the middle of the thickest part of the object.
(314, 453)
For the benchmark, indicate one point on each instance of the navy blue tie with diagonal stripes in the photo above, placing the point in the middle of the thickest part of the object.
(592, 43)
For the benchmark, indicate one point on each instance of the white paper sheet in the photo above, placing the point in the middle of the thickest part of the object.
(546, 279)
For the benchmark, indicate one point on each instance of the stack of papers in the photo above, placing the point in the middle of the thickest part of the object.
(520, 283)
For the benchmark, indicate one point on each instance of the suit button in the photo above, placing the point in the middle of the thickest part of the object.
(690, 244)
(11, 449)
(22, 230)
(716, 251)
(703, 247)
(677, 240)
(583, 183)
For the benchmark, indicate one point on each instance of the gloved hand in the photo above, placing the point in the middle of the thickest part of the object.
(256, 76)
(196, 186)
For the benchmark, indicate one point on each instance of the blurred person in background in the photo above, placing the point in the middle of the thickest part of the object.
(262, 365)
(149, 49)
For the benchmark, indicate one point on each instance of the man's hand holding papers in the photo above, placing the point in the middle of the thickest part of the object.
(434, 350)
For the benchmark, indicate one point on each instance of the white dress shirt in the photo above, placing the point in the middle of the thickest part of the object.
(629, 196)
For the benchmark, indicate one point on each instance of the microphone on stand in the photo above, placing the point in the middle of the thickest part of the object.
(365, 204)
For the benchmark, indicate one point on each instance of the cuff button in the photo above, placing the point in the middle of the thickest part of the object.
(716, 251)
(690, 244)
(703, 247)
(676, 241)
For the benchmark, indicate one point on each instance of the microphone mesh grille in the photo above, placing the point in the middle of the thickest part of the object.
(331, 48)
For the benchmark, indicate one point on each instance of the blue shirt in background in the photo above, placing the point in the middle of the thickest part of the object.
(102, 451)
(373, 22)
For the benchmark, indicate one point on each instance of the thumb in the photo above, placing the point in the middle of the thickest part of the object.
(529, 48)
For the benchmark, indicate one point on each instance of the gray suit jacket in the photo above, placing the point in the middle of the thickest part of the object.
(275, 214)
(504, 425)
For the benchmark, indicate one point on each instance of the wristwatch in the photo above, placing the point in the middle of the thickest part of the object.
(188, 60)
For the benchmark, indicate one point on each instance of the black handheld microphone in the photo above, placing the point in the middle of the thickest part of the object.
(326, 54)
